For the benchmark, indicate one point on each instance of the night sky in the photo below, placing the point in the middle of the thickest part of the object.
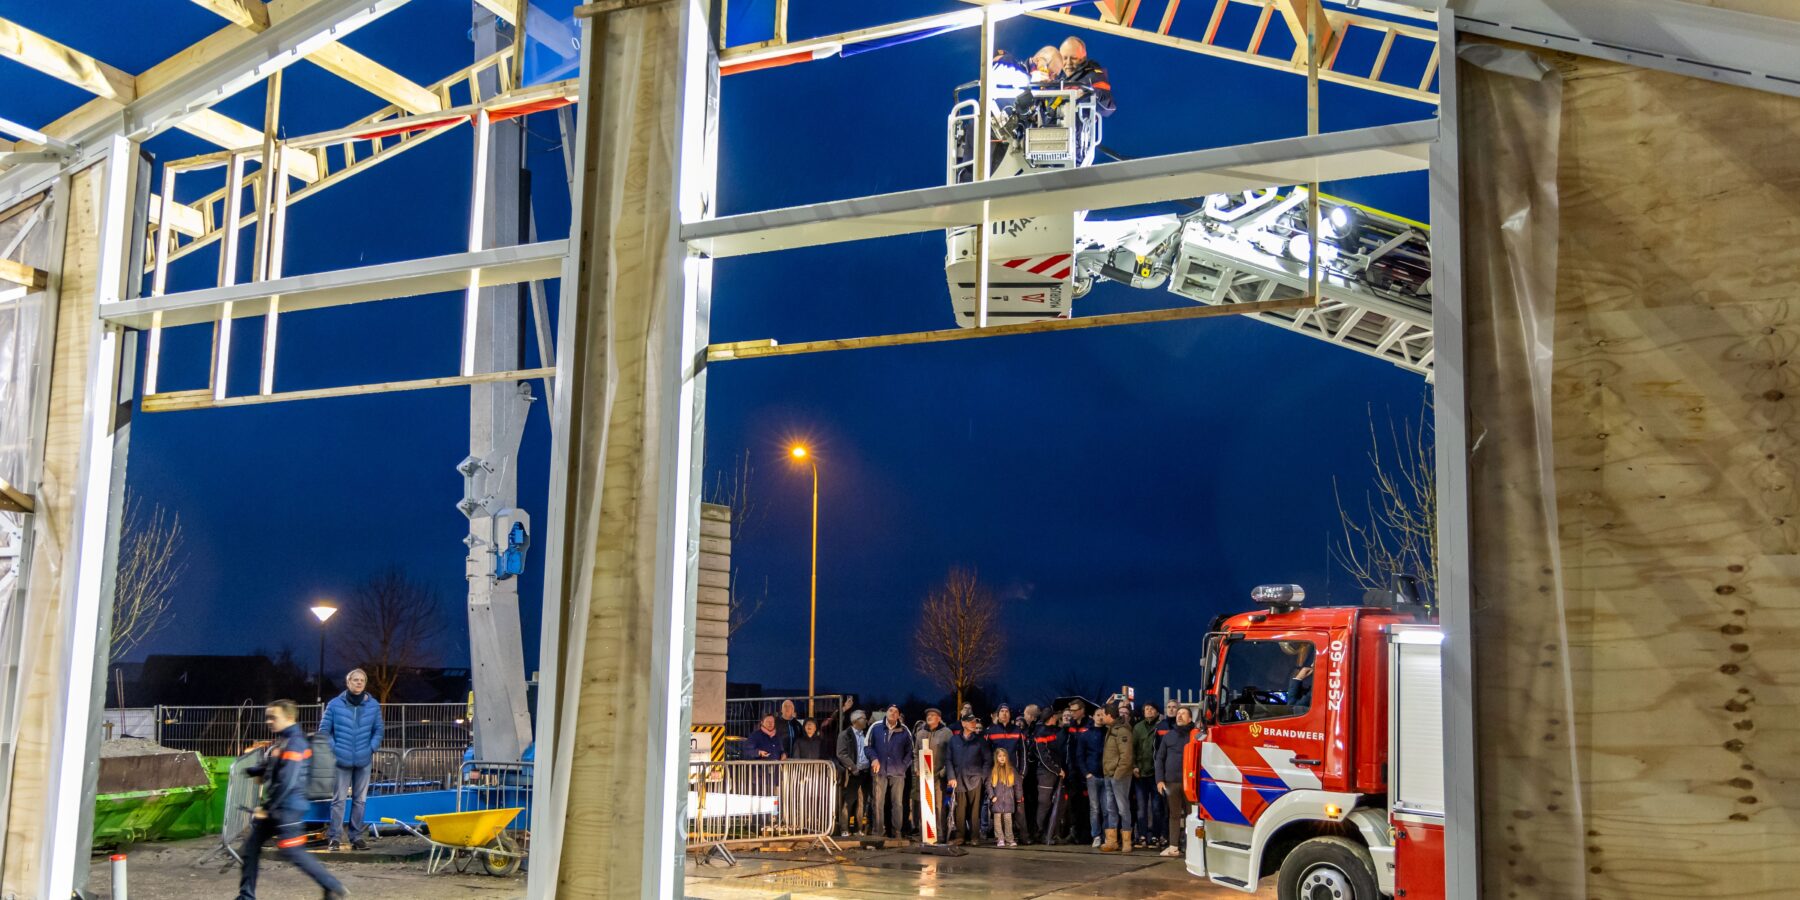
(1118, 486)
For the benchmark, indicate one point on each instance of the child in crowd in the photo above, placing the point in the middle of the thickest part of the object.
(1003, 799)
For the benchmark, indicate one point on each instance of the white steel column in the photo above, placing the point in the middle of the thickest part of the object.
(1462, 821)
(477, 226)
(86, 598)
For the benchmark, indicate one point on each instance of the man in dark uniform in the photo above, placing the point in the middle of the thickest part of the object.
(1080, 71)
(1050, 759)
(278, 816)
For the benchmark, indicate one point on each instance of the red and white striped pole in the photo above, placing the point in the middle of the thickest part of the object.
(118, 876)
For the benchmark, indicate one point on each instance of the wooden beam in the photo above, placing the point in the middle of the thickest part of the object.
(375, 78)
(176, 401)
(22, 45)
(251, 14)
(22, 274)
(756, 349)
(335, 58)
(14, 500)
(224, 131)
(182, 217)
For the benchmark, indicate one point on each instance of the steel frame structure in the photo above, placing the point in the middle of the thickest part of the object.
(236, 61)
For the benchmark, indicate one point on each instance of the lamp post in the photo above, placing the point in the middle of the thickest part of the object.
(324, 609)
(801, 454)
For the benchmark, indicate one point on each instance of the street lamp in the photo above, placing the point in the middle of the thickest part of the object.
(324, 610)
(799, 453)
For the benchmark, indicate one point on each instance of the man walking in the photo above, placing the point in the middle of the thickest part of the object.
(353, 721)
(971, 758)
(893, 749)
(277, 815)
(853, 755)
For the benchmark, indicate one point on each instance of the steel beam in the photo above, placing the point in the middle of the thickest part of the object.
(1450, 409)
(410, 278)
(160, 108)
(1685, 38)
(1381, 150)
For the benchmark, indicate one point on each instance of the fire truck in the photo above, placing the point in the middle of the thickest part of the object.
(1320, 761)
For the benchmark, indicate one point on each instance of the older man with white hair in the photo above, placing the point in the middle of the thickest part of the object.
(1082, 72)
(353, 722)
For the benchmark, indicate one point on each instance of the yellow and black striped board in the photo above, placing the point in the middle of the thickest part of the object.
(706, 743)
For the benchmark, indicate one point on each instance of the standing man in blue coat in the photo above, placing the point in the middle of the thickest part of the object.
(892, 746)
(353, 721)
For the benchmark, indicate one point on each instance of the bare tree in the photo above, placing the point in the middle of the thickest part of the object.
(150, 561)
(731, 489)
(1396, 534)
(958, 641)
(391, 623)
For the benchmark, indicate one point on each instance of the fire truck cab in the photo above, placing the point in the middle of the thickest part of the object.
(1320, 761)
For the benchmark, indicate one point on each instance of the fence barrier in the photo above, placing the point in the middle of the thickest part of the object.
(734, 804)
(229, 730)
(743, 714)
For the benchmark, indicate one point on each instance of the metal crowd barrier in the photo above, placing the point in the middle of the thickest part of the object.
(229, 730)
(497, 785)
(743, 803)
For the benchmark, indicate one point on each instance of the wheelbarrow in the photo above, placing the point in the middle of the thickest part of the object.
(460, 838)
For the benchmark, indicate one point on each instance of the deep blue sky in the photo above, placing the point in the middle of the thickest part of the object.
(1120, 486)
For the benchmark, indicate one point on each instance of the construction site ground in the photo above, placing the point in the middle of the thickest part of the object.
(396, 871)
(1012, 873)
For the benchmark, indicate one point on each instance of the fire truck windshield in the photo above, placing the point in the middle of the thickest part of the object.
(1266, 680)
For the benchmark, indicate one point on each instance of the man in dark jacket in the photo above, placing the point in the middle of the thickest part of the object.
(1081, 72)
(277, 816)
(893, 748)
(1029, 723)
(854, 757)
(1169, 750)
(791, 727)
(971, 759)
(1147, 827)
(353, 721)
(1049, 760)
(934, 732)
(1087, 740)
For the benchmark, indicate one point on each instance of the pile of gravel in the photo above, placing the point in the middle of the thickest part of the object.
(133, 747)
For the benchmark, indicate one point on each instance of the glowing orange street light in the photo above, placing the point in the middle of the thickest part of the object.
(800, 454)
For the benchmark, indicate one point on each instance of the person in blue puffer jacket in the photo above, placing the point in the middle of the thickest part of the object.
(353, 722)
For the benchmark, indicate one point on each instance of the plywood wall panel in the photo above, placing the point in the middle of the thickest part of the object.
(1675, 441)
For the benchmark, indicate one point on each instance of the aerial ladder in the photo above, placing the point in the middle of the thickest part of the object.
(1374, 267)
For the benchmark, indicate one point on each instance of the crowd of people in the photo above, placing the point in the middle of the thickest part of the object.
(1054, 775)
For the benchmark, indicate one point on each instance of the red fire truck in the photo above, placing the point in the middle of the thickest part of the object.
(1321, 759)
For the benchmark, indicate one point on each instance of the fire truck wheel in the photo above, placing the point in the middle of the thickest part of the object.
(1328, 868)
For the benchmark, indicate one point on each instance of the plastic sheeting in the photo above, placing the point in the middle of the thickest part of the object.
(1510, 121)
(27, 235)
(1632, 240)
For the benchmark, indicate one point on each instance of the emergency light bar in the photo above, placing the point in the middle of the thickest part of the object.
(1280, 598)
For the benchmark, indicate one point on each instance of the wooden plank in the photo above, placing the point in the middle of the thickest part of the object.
(1168, 18)
(63, 63)
(175, 401)
(183, 218)
(251, 14)
(375, 78)
(1649, 678)
(22, 274)
(757, 349)
(14, 500)
(1387, 44)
